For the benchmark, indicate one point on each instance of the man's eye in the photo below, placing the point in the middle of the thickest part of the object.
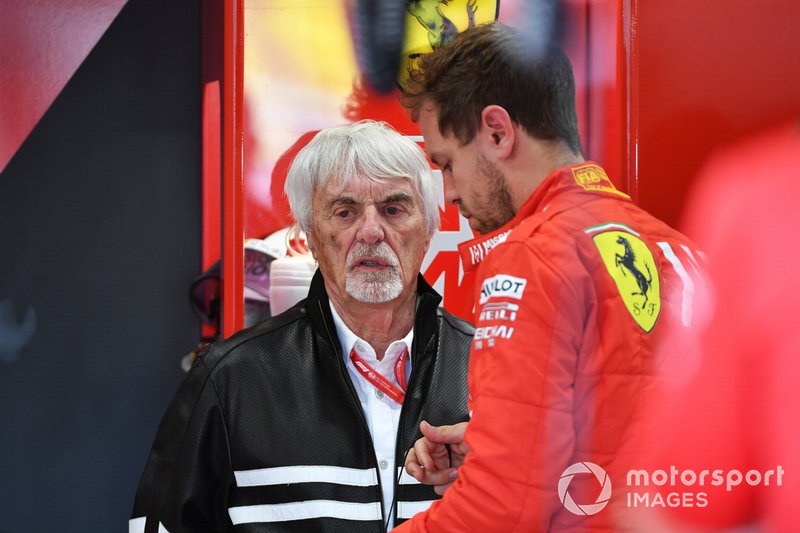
(343, 213)
(392, 210)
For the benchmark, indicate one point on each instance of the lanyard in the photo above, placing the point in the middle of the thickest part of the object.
(378, 381)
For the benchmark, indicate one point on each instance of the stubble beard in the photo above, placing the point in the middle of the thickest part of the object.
(497, 206)
(373, 287)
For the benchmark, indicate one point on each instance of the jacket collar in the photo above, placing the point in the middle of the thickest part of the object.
(318, 307)
(563, 188)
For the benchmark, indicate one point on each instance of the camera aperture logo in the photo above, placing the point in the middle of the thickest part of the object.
(587, 508)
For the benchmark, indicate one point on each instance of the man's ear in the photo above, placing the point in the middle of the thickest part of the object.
(310, 243)
(498, 130)
(427, 244)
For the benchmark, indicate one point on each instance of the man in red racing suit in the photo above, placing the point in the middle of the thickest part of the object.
(575, 291)
(569, 310)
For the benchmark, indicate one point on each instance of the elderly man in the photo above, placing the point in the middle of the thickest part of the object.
(300, 424)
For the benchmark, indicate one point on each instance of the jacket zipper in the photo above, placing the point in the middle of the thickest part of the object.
(402, 422)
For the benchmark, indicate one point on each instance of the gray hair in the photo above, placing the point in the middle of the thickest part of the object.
(367, 149)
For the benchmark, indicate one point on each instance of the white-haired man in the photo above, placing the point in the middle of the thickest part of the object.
(301, 423)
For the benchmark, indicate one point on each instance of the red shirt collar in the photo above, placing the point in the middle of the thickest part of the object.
(583, 178)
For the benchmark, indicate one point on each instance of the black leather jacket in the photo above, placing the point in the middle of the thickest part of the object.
(279, 395)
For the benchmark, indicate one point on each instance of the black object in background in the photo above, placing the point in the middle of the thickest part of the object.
(378, 29)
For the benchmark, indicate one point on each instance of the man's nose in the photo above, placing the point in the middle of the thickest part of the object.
(371, 229)
(450, 194)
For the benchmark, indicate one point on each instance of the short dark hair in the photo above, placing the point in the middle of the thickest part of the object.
(489, 64)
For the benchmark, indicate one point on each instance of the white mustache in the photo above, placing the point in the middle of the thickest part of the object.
(380, 251)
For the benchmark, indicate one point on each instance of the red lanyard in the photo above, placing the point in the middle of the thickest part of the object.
(378, 381)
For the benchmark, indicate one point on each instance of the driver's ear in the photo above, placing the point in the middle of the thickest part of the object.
(497, 130)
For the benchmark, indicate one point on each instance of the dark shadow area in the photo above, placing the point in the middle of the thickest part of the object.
(100, 236)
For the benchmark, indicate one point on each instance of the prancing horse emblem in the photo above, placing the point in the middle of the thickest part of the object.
(631, 265)
(628, 261)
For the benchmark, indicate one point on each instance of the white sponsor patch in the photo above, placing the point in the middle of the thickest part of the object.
(493, 332)
(481, 249)
(499, 311)
(502, 285)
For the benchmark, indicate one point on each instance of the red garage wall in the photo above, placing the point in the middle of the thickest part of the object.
(709, 73)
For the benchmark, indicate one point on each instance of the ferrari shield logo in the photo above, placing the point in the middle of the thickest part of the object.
(631, 265)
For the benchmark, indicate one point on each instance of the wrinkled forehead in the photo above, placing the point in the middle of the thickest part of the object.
(367, 189)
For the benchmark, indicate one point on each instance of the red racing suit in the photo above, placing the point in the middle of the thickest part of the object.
(570, 304)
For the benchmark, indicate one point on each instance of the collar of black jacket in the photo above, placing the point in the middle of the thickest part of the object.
(428, 299)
